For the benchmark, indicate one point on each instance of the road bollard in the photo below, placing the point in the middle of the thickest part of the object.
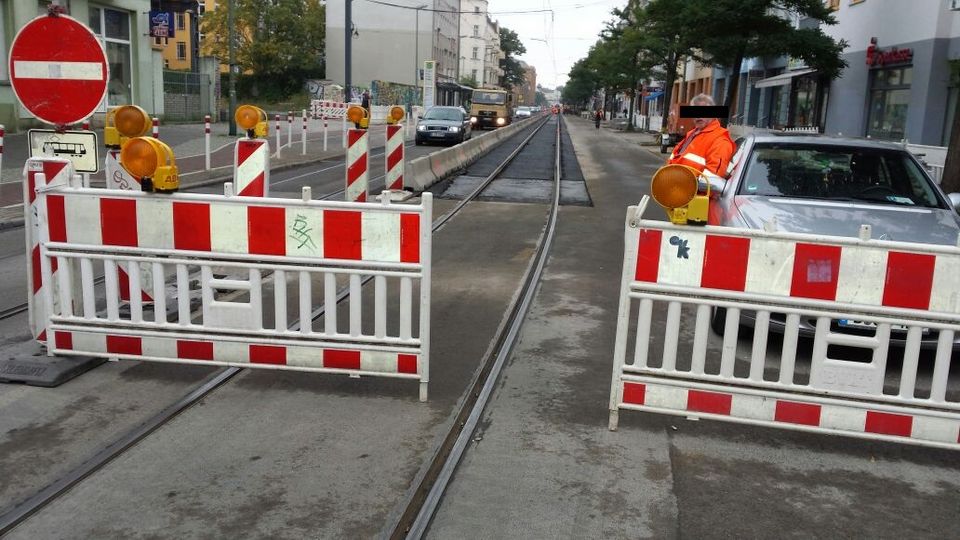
(303, 136)
(324, 132)
(276, 117)
(156, 128)
(290, 129)
(206, 142)
(85, 126)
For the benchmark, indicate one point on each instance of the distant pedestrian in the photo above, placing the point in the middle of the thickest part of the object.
(624, 113)
(597, 117)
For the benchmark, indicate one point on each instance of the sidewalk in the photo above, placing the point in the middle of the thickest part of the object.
(187, 142)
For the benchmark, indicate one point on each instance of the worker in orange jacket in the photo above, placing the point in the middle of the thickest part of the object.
(708, 147)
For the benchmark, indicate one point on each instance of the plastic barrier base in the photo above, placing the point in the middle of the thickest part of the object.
(45, 371)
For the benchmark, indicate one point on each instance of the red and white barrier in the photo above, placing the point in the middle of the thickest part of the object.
(329, 109)
(206, 142)
(251, 167)
(156, 128)
(39, 172)
(358, 169)
(115, 175)
(265, 242)
(393, 179)
(843, 292)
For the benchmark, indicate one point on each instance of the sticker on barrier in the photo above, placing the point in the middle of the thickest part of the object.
(245, 261)
(883, 318)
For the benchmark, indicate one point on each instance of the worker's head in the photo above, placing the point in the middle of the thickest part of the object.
(702, 99)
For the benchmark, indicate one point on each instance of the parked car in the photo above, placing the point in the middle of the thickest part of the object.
(443, 125)
(831, 185)
(523, 112)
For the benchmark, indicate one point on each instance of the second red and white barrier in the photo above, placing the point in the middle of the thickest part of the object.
(251, 167)
(395, 157)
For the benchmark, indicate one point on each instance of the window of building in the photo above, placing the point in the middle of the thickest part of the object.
(833, 4)
(476, 30)
(180, 21)
(113, 28)
(476, 53)
(476, 9)
(181, 50)
(889, 99)
(473, 74)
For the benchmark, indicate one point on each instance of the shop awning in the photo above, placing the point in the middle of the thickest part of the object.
(653, 96)
(782, 79)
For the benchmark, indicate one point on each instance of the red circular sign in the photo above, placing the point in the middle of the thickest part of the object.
(58, 69)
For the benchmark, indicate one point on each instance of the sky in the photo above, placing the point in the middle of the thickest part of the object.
(565, 36)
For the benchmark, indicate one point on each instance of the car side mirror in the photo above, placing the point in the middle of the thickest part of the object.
(955, 200)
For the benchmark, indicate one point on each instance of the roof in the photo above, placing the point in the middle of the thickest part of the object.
(793, 138)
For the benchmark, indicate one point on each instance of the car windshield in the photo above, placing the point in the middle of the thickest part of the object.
(527, 109)
(489, 98)
(878, 175)
(443, 114)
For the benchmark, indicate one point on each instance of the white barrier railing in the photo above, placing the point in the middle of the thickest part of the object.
(854, 297)
(248, 253)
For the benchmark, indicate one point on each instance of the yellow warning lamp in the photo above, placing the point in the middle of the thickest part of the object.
(396, 114)
(675, 188)
(358, 115)
(123, 123)
(151, 161)
(253, 120)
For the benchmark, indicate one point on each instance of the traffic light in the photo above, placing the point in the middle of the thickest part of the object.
(123, 123)
(253, 120)
(152, 162)
(676, 188)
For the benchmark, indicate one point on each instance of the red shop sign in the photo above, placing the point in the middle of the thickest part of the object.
(880, 57)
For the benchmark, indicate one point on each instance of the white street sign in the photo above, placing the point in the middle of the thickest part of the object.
(429, 83)
(80, 147)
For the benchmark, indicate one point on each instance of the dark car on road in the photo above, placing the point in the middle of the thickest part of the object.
(449, 125)
(823, 185)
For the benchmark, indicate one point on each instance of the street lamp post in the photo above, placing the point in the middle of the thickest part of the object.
(232, 54)
(416, 47)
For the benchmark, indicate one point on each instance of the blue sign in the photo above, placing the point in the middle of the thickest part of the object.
(161, 24)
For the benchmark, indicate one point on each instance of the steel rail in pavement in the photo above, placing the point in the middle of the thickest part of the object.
(14, 515)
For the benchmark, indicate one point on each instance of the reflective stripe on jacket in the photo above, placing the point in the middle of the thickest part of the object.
(711, 149)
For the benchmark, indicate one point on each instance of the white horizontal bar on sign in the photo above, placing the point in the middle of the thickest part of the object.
(792, 304)
(263, 337)
(238, 260)
(234, 284)
(76, 71)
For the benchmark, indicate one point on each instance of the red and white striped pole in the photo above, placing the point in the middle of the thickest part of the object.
(303, 135)
(3, 131)
(206, 142)
(324, 132)
(276, 117)
(156, 128)
(393, 180)
(290, 129)
(343, 126)
(357, 165)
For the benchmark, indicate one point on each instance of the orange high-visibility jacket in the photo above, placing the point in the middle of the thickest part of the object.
(711, 149)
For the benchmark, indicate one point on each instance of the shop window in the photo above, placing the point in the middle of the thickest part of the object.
(889, 100)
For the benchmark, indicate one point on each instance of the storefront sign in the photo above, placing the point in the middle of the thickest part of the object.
(161, 24)
(879, 57)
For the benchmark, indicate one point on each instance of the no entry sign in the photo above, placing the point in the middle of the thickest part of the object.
(58, 69)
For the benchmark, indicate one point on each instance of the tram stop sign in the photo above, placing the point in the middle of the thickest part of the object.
(58, 69)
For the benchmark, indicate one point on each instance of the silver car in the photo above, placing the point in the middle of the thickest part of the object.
(832, 185)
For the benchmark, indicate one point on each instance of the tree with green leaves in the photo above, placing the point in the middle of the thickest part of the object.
(279, 43)
(510, 44)
(582, 84)
(733, 30)
(469, 80)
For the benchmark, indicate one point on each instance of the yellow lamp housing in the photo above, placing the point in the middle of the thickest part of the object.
(253, 120)
(358, 115)
(675, 188)
(123, 123)
(396, 114)
(152, 162)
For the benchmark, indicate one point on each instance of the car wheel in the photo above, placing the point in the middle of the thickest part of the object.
(718, 321)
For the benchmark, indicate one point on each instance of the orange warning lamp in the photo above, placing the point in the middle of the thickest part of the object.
(358, 115)
(675, 188)
(253, 120)
(152, 162)
(124, 122)
(396, 114)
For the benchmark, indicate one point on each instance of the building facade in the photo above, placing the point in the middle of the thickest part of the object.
(493, 55)
(390, 43)
(122, 26)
